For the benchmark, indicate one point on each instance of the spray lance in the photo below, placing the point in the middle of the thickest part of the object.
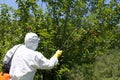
(63, 47)
(68, 38)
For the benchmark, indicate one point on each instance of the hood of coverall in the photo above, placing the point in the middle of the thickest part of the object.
(32, 40)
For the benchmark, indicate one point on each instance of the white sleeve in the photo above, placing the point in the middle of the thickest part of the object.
(44, 63)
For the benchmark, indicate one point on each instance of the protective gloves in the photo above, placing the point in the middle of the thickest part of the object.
(58, 53)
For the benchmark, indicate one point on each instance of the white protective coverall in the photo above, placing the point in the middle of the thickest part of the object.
(26, 61)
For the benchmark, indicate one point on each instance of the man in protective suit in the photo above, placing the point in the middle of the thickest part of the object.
(26, 60)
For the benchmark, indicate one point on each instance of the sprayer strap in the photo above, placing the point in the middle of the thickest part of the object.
(13, 54)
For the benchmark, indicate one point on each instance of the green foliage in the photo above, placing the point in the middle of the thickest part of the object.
(84, 29)
(106, 67)
(83, 72)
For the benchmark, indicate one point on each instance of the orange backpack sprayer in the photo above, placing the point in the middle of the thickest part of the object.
(4, 76)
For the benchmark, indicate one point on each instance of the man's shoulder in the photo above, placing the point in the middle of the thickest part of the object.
(17, 45)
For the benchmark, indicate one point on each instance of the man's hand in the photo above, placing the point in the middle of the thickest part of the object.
(58, 53)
